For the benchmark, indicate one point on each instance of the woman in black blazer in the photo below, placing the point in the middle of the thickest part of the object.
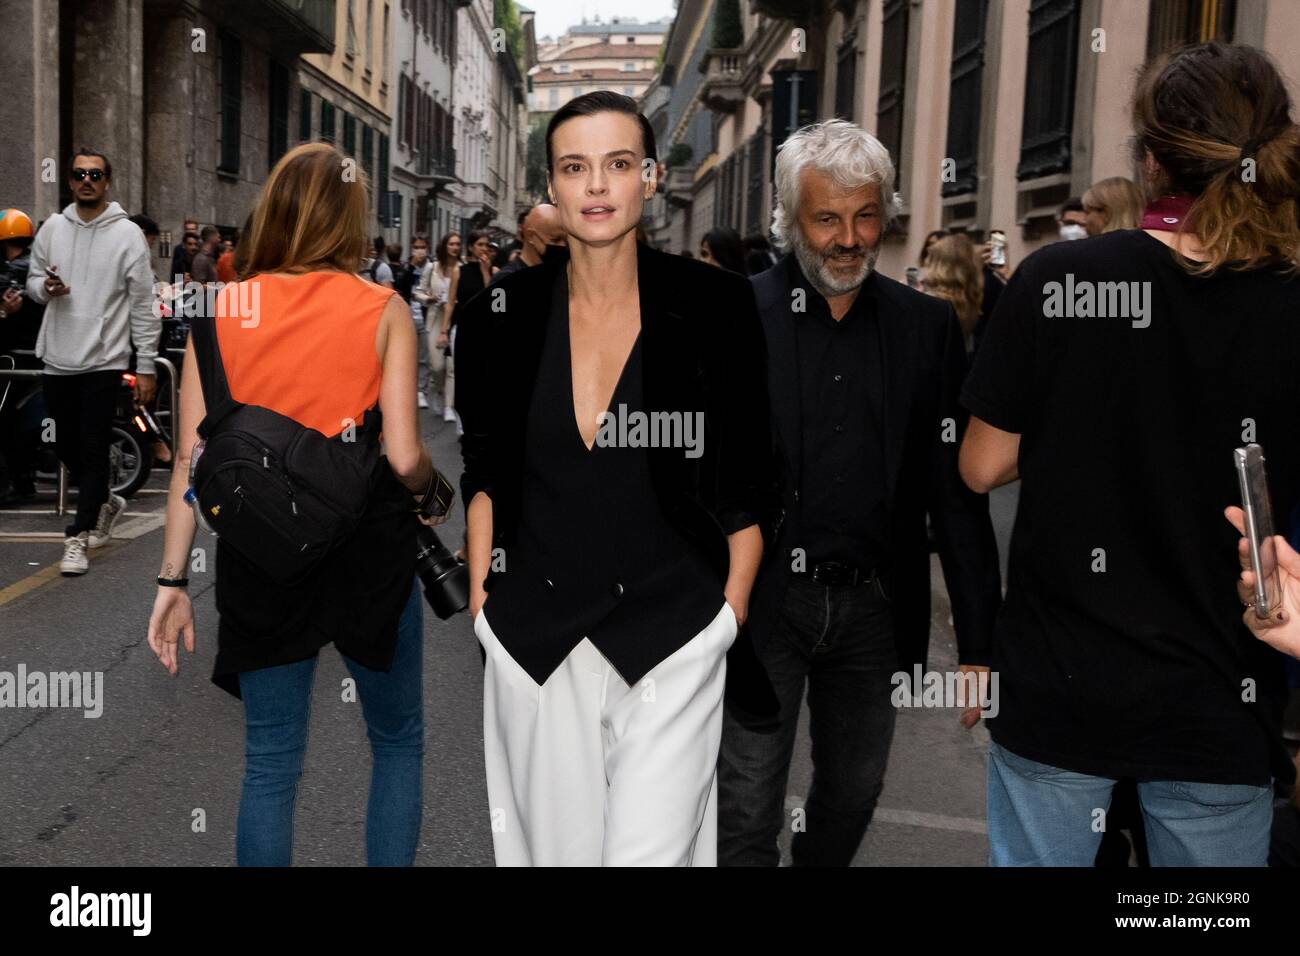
(618, 470)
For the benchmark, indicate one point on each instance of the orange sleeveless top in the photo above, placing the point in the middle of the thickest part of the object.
(303, 345)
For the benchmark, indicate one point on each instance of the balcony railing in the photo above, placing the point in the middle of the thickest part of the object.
(440, 166)
(723, 89)
(679, 185)
(297, 26)
(783, 9)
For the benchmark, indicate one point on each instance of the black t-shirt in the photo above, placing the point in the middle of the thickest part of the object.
(1120, 649)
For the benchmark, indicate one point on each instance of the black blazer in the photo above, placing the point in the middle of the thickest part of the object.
(924, 359)
(702, 350)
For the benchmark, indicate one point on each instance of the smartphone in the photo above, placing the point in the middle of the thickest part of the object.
(1259, 526)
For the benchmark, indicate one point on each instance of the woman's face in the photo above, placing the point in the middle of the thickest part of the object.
(453, 247)
(596, 181)
(481, 247)
(706, 254)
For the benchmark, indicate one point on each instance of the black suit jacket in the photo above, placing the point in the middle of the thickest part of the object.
(702, 350)
(924, 359)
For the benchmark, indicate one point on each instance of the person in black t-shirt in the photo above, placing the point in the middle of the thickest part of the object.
(1116, 378)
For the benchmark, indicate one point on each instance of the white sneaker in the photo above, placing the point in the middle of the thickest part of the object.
(74, 556)
(109, 512)
(449, 415)
(420, 400)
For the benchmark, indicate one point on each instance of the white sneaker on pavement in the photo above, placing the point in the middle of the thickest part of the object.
(109, 512)
(74, 561)
(449, 415)
(420, 400)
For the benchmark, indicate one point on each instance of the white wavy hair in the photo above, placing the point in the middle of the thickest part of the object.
(851, 155)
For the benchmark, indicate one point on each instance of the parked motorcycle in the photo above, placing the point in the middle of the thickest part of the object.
(131, 445)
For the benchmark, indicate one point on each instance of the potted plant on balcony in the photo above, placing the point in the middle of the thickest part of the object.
(679, 154)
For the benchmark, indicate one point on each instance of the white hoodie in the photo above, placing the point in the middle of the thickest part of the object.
(109, 306)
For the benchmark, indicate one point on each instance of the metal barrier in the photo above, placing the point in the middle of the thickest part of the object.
(173, 391)
(61, 507)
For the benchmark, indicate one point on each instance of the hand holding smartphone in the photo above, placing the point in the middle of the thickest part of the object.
(53, 284)
(1258, 517)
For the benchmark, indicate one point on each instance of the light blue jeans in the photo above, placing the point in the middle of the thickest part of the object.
(1040, 815)
(276, 716)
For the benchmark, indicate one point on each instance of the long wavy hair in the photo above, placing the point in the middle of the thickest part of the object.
(953, 272)
(1217, 119)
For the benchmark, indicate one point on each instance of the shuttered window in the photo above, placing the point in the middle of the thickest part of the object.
(1049, 88)
(965, 83)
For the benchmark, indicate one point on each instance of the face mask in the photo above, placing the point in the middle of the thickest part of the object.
(554, 253)
(1072, 230)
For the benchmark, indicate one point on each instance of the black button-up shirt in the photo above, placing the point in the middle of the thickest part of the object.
(841, 375)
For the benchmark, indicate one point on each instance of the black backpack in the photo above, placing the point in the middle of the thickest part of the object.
(283, 496)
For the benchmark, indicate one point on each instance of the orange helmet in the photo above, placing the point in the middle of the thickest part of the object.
(15, 224)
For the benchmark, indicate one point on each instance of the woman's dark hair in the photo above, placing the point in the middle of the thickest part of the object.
(726, 249)
(503, 254)
(936, 235)
(601, 101)
(147, 225)
(440, 254)
(474, 236)
(758, 254)
(1203, 111)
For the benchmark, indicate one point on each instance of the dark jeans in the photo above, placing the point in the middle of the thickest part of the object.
(82, 407)
(840, 640)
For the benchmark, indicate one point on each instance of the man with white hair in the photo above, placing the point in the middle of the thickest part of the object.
(863, 377)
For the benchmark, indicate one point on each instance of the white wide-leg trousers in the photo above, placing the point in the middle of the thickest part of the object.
(588, 771)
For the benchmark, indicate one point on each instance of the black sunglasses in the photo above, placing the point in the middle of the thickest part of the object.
(95, 174)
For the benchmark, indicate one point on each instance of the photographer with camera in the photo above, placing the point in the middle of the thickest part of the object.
(20, 321)
(316, 534)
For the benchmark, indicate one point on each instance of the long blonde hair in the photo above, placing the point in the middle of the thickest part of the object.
(310, 215)
(953, 272)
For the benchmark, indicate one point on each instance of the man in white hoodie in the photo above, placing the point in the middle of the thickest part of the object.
(89, 265)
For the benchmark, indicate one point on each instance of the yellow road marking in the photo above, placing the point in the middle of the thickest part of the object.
(131, 530)
(28, 584)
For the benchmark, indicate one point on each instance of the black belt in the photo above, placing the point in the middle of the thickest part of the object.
(838, 574)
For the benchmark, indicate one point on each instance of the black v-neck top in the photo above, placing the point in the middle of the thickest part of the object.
(595, 556)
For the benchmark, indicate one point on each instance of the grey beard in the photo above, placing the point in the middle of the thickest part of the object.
(813, 264)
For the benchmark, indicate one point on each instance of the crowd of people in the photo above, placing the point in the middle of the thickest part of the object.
(655, 604)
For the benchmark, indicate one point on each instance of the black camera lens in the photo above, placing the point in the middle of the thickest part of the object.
(445, 580)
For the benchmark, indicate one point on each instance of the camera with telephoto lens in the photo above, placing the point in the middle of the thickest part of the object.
(445, 580)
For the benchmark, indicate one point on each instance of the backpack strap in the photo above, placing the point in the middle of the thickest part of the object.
(212, 374)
